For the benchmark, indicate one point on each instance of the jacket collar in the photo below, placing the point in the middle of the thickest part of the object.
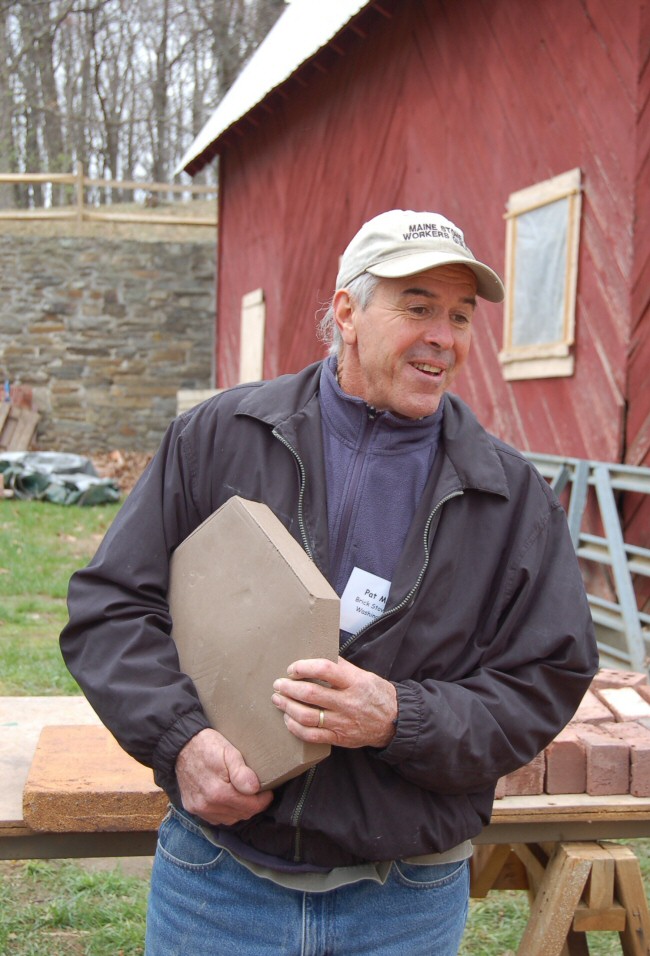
(277, 400)
(472, 450)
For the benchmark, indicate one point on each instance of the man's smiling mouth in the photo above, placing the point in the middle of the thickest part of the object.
(434, 370)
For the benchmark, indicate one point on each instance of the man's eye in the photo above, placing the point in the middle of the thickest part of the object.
(419, 310)
(460, 319)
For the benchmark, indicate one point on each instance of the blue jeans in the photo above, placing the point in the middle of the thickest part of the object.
(204, 903)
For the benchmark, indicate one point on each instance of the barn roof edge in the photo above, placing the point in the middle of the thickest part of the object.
(300, 39)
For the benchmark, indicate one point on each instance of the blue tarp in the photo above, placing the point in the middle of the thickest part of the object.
(59, 477)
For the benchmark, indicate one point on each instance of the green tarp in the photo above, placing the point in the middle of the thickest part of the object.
(62, 478)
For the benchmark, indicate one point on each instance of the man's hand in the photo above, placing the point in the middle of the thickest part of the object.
(358, 707)
(215, 783)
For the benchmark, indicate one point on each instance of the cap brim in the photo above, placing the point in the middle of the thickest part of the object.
(488, 284)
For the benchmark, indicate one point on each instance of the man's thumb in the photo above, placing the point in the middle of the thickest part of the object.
(241, 776)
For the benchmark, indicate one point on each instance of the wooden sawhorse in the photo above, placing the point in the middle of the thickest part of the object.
(574, 888)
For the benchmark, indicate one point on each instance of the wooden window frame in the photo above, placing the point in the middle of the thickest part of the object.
(551, 359)
(252, 334)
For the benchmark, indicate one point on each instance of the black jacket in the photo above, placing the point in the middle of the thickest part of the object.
(487, 633)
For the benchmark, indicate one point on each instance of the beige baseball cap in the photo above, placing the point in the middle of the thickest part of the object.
(401, 242)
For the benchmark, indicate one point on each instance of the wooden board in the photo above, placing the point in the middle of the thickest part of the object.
(17, 427)
(565, 807)
(81, 780)
(21, 722)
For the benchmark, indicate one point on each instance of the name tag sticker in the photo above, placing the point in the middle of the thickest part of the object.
(363, 600)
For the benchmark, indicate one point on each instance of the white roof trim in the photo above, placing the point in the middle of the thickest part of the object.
(305, 27)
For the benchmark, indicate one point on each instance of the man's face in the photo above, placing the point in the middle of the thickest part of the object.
(404, 350)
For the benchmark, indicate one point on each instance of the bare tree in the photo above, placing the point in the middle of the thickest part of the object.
(8, 158)
(121, 85)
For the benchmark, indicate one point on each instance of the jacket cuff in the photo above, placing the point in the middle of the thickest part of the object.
(408, 725)
(174, 739)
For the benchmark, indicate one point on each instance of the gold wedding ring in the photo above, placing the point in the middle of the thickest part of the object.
(321, 719)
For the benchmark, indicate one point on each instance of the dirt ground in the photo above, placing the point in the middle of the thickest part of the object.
(139, 866)
(129, 865)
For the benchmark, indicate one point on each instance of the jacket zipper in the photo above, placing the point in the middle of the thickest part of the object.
(301, 494)
(297, 812)
(405, 600)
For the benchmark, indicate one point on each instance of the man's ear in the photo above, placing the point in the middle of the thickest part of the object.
(344, 310)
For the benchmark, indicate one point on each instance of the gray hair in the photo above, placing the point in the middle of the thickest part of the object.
(361, 290)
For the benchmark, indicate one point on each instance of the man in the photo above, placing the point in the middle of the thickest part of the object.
(481, 654)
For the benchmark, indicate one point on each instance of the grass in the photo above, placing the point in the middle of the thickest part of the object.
(58, 908)
(41, 544)
(64, 908)
(61, 909)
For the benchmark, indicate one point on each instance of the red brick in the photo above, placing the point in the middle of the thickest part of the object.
(591, 711)
(609, 677)
(625, 703)
(644, 691)
(566, 763)
(637, 738)
(608, 761)
(500, 788)
(528, 780)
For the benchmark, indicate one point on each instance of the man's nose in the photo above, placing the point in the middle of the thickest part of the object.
(439, 333)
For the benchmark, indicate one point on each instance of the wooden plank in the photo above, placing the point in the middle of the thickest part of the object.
(611, 919)
(81, 780)
(600, 889)
(559, 893)
(534, 858)
(574, 807)
(18, 429)
(576, 944)
(26, 424)
(486, 865)
(513, 875)
(21, 722)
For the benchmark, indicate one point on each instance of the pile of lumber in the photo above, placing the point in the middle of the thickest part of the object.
(605, 749)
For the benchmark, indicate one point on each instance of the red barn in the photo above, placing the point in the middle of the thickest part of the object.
(351, 108)
(526, 122)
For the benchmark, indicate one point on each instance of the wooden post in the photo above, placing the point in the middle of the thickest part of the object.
(485, 866)
(79, 190)
(581, 888)
(635, 938)
(552, 912)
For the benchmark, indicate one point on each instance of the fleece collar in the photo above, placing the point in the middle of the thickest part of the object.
(470, 448)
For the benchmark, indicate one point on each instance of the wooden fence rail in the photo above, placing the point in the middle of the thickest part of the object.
(81, 211)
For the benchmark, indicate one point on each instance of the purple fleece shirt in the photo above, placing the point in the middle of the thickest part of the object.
(376, 466)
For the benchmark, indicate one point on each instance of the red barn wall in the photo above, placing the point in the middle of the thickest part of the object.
(638, 420)
(451, 105)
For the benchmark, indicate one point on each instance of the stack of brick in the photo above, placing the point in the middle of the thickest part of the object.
(604, 750)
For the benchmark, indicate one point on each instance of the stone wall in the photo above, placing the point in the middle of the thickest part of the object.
(105, 331)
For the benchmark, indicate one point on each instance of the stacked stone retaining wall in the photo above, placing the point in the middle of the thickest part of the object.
(105, 332)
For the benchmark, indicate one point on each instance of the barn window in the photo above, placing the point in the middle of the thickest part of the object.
(542, 238)
(251, 343)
